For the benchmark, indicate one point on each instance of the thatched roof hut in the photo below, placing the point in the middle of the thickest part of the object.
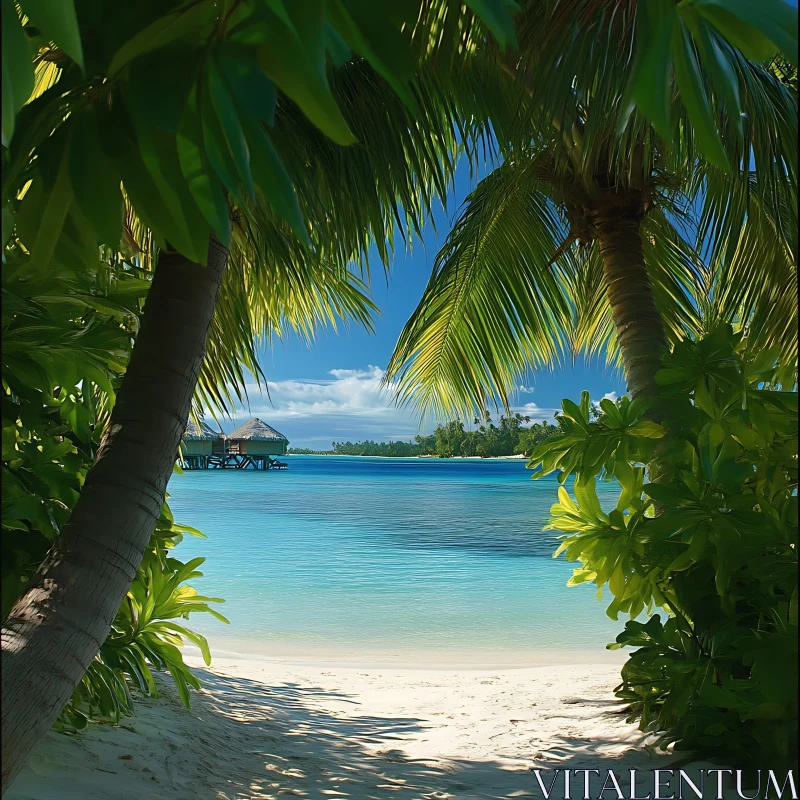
(201, 440)
(257, 438)
(195, 433)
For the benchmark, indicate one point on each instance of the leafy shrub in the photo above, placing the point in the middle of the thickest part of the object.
(66, 339)
(144, 634)
(712, 541)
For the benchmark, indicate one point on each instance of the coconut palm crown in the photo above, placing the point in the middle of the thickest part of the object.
(598, 233)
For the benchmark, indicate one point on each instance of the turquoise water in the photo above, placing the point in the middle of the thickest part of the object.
(396, 559)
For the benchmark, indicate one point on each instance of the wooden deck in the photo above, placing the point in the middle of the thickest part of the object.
(229, 461)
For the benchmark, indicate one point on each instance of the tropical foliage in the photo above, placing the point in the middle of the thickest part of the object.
(145, 635)
(390, 449)
(511, 436)
(606, 230)
(67, 337)
(714, 545)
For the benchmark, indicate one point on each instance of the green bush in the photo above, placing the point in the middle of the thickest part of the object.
(67, 336)
(712, 540)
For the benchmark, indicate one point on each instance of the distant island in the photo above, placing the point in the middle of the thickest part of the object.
(511, 436)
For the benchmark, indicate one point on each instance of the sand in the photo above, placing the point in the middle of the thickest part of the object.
(265, 729)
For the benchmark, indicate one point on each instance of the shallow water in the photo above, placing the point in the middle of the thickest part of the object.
(399, 558)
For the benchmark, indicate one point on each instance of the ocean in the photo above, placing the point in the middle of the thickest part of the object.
(388, 561)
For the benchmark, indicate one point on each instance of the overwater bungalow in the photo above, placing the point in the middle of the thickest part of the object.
(200, 442)
(252, 445)
(256, 439)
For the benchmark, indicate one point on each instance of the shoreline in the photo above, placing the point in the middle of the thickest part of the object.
(409, 458)
(224, 648)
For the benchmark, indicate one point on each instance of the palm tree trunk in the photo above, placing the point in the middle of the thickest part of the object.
(640, 331)
(56, 628)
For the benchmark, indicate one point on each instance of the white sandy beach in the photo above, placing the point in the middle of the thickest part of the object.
(264, 729)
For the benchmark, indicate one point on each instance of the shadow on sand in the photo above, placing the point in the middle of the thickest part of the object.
(246, 740)
(287, 747)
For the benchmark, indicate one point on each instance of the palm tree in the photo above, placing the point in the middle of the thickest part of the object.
(248, 210)
(584, 238)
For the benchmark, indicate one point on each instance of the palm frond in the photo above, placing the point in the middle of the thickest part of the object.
(677, 276)
(752, 283)
(365, 194)
(594, 333)
(495, 304)
(676, 273)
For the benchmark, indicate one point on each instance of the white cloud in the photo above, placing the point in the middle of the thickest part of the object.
(372, 372)
(535, 413)
(525, 389)
(351, 405)
(351, 392)
(610, 396)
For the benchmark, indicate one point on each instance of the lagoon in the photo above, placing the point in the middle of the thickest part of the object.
(370, 560)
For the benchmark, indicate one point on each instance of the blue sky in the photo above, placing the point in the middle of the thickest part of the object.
(330, 390)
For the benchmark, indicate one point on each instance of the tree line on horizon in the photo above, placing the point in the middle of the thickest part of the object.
(514, 434)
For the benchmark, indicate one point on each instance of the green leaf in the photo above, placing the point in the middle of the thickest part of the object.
(96, 180)
(732, 473)
(717, 729)
(586, 494)
(716, 433)
(695, 99)
(581, 576)
(757, 29)
(159, 84)
(273, 180)
(159, 151)
(647, 429)
(216, 148)
(203, 183)
(141, 188)
(188, 529)
(767, 710)
(8, 106)
(649, 87)
(364, 26)
(17, 62)
(55, 212)
(612, 612)
(764, 362)
(337, 48)
(697, 545)
(231, 126)
(574, 412)
(253, 90)
(56, 19)
(565, 499)
(187, 22)
(301, 76)
(746, 435)
(616, 582)
(725, 79)
(612, 412)
(496, 15)
(667, 495)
